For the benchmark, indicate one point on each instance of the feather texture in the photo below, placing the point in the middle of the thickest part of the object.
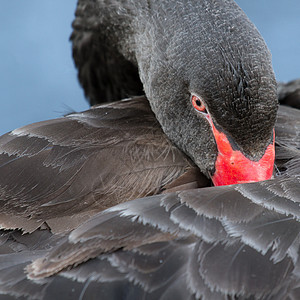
(62, 171)
(239, 241)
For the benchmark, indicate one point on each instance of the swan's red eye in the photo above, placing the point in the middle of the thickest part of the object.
(198, 104)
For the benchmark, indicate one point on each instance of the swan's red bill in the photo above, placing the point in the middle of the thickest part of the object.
(232, 166)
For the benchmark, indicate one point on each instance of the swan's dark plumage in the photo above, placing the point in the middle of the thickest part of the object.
(67, 169)
(213, 51)
(69, 226)
(289, 93)
(168, 245)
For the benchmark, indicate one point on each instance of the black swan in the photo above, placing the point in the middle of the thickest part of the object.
(116, 202)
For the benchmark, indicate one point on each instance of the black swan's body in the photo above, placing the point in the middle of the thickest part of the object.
(109, 206)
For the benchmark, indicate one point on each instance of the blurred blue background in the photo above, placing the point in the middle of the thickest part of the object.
(37, 77)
